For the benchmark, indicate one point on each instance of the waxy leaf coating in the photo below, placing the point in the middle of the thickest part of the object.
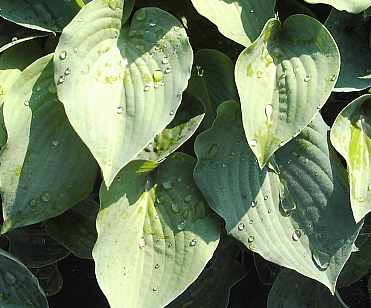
(283, 79)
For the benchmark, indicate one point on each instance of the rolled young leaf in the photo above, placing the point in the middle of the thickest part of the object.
(18, 286)
(290, 212)
(239, 20)
(155, 234)
(45, 168)
(121, 85)
(283, 79)
(351, 137)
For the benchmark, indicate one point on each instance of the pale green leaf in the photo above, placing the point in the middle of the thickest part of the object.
(212, 81)
(283, 79)
(351, 6)
(165, 228)
(75, 229)
(351, 33)
(351, 137)
(121, 85)
(19, 288)
(289, 213)
(239, 20)
(34, 247)
(45, 168)
(290, 290)
(187, 120)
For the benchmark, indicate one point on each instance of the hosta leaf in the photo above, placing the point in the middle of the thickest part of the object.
(163, 225)
(34, 247)
(291, 214)
(351, 137)
(212, 81)
(41, 15)
(45, 168)
(75, 229)
(187, 119)
(283, 79)
(19, 288)
(121, 86)
(290, 290)
(352, 6)
(351, 33)
(50, 279)
(212, 287)
(359, 263)
(239, 20)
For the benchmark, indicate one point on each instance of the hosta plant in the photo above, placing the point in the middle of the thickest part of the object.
(197, 153)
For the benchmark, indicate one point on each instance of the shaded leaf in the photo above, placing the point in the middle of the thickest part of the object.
(239, 20)
(19, 288)
(290, 212)
(290, 290)
(351, 137)
(143, 68)
(34, 247)
(165, 228)
(75, 229)
(50, 279)
(351, 33)
(283, 79)
(41, 144)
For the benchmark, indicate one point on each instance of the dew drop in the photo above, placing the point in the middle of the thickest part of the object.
(165, 60)
(45, 197)
(321, 259)
(333, 77)
(63, 55)
(152, 24)
(55, 143)
(154, 289)
(251, 11)
(147, 87)
(168, 70)
(200, 71)
(181, 226)
(61, 79)
(14, 39)
(269, 211)
(296, 235)
(167, 185)
(175, 208)
(254, 203)
(192, 243)
(268, 111)
(119, 110)
(67, 71)
(307, 78)
(10, 278)
(158, 76)
(26, 103)
(259, 74)
(253, 142)
(187, 198)
(265, 197)
(241, 226)
(157, 266)
(251, 238)
(142, 243)
(171, 113)
(251, 221)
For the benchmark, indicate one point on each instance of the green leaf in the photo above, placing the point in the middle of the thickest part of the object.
(123, 84)
(45, 168)
(291, 290)
(212, 81)
(351, 33)
(283, 79)
(212, 287)
(34, 247)
(41, 15)
(187, 120)
(239, 20)
(163, 225)
(290, 212)
(351, 137)
(19, 288)
(50, 279)
(351, 6)
(75, 229)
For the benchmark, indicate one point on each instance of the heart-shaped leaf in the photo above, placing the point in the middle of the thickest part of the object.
(163, 225)
(41, 15)
(212, 81)
(239, 20)
(291, 290)
(187, 120)
(290, 212)
(142, 68)
(34, 247)
(283, 79)
(351, 33)
(351, 137)
(18, 286)
(45, 168)
(352, 6)
(75, 229)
